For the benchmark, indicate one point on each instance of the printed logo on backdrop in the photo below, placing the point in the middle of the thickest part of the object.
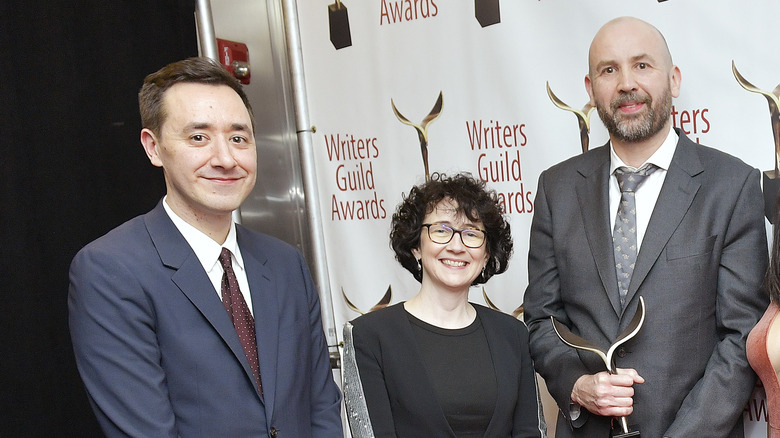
(338, 24)
(693, 122)
(422, 128)
(352, 163)
(756, 410)
(384, 302)
(771, 177)
(398, 11)
(422, 136)
(487, 12)
(496, 147)
(498, 160)
(583, 117)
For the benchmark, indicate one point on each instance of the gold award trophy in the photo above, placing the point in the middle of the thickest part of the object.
(579, 343)
(771, 177)
(422, 128)
(583, 117)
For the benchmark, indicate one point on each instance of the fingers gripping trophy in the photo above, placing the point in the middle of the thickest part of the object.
(579, 343)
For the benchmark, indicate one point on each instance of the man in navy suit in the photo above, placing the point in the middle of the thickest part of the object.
(155, 345)
(700, 257)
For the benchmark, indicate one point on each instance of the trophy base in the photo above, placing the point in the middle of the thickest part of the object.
(632, 434)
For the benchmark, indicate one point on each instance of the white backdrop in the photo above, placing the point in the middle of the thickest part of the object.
(494, 77)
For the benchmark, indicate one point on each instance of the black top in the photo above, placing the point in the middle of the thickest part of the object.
(402, 397)
(460, 367)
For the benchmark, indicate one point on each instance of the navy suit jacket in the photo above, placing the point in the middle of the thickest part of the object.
(699, 269)
(159, 355)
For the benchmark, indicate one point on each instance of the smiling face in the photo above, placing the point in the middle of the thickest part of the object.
(451, 266)
(206, 148)
(632, 80)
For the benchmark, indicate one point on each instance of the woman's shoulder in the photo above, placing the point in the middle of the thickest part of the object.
(498, 318)
(380, 317)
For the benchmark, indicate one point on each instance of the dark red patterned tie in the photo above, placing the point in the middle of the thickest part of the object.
(239, 313)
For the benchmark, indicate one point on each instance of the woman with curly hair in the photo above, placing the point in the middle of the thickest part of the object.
(438, 365)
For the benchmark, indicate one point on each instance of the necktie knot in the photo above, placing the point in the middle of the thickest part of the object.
(225, 260)
(629, 180)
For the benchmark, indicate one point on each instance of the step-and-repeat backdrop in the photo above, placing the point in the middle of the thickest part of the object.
(495, 88)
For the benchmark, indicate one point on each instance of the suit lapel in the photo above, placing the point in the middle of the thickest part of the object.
(674, 200)
(189, 276)
(265, 307)
(593, 198)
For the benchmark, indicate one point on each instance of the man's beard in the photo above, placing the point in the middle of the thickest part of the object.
(639, 128)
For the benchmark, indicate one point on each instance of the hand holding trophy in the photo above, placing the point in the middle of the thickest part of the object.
(579, 343)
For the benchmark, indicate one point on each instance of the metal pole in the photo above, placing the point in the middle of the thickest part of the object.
(304, 130)
(205, 25)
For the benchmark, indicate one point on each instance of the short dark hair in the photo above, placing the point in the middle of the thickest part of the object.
(192, 70)
(474, 201)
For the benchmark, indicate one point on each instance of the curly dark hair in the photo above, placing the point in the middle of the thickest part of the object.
(474, 201)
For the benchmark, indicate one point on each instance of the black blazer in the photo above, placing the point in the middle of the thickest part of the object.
(401, 401)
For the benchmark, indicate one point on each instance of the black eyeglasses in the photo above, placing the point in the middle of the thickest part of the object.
(442, 234)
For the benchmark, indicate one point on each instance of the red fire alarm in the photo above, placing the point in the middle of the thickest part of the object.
(235, 58)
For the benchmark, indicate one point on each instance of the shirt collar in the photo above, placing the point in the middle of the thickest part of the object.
(662, 157)
(205, 248)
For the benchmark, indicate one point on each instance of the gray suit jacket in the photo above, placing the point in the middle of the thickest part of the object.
(699, 270)
(160, 357)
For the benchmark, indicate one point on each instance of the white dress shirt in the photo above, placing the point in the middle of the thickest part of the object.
(647, 193)
(207, 250)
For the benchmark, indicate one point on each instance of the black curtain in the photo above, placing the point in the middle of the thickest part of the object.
(72, 169)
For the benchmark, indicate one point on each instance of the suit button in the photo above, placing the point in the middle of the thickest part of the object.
(621, 352)
(273, 432)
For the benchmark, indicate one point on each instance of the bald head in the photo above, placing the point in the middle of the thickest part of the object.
(631, 81)
(621, 32)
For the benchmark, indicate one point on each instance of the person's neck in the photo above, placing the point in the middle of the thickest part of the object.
(636, 153)
(215, 226)
(450, 310)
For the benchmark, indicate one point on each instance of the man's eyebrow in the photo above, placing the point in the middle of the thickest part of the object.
(240, 127)
(643, 56)
(194, 126)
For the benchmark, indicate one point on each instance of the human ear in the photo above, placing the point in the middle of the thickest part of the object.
(150, 144)
(589, 89)
(675, 81)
